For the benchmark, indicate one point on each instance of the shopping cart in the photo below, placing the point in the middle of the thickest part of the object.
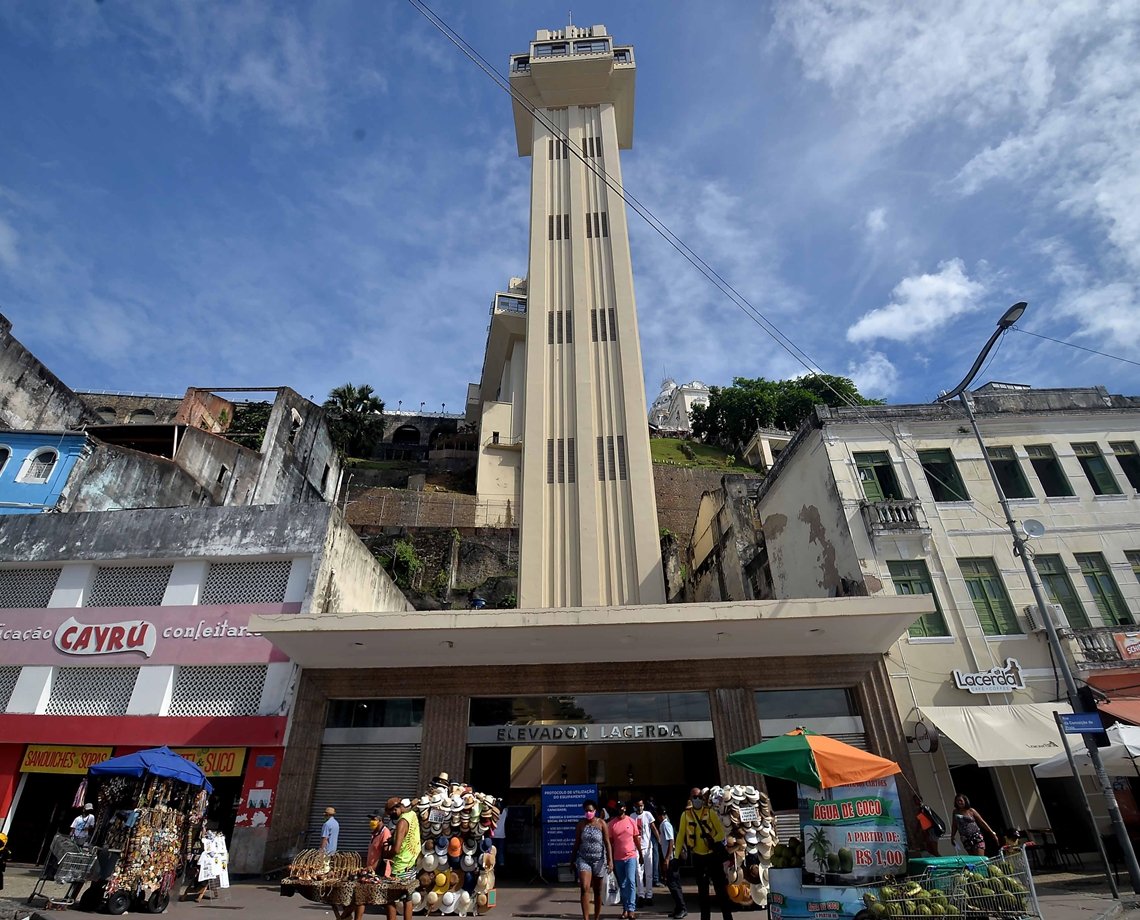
(1000, 888)
(68, 863)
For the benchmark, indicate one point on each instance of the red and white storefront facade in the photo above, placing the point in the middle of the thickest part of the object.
(79, 684)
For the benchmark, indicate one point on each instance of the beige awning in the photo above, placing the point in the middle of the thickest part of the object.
(1001, 736)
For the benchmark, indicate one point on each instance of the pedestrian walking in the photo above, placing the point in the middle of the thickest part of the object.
(625, 842)
(699, 833)
(671, 865)
(647, 830)
(330, 832)
(592, 857)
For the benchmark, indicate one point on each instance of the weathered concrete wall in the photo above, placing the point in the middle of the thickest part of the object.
(205, 410)
(301, 463)
(224, 469)
(726, 545)
(346, 578)
(31, 396)
(679, 492)
(111, 478)
(810, 547)
(165, 533)
(121, 407)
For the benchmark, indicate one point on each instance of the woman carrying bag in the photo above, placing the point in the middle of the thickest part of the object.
(592, 857)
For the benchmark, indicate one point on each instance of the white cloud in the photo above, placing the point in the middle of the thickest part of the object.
(9, 240)
(875, 376)
(875, 223)
(921, 304)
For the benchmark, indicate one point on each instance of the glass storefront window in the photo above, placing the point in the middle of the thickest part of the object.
(795, 704)
(375, 714)
(592, 707)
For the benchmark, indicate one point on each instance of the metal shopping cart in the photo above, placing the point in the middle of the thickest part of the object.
(68, 863)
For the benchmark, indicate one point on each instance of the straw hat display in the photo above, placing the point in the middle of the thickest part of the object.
(456, 866)
(750, 838)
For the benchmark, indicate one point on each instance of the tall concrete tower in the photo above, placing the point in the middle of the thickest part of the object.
(589, 532)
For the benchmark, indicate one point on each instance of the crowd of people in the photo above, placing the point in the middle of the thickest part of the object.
(636, 844)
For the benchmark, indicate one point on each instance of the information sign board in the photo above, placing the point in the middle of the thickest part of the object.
(852, 834)
(561, 811)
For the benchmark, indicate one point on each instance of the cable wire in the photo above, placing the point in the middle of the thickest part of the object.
(1091, 351)
(739, 300)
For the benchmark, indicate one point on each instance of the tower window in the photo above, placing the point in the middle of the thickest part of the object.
(601, 458)
(550, 461)
(559, 327)
(594, 325)
(610, 456)
(561, 460)
(569, 327)
(613, 323)
(571, 462)
(550, 328)
(623, 471)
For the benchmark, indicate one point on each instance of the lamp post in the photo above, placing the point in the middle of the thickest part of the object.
(1011, 316)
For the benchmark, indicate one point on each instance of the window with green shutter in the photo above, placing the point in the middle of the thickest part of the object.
(877, 476)
(991, 603)
(1133, 558)
(1060, 590)
(912, 577)
(1099, 475)
(1054, 482)
(1128, 456)
(942, 475)
(1008, 470)
(1109, 602)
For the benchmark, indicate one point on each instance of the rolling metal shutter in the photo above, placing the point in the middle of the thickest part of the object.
(356, 779)
(855, 739)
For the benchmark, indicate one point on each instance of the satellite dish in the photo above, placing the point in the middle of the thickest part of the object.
(1033, 528)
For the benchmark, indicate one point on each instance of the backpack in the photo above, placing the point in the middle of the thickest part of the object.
(937, 824)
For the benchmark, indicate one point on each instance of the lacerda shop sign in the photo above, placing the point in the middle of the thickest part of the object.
(996, 680)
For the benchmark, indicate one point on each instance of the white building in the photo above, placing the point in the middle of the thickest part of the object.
(897, 498)
(670, 412)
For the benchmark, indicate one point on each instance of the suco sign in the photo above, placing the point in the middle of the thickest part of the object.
(75, 638)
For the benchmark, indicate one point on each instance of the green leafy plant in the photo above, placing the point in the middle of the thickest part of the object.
(406, 563)
(439, 583)
(356, 418)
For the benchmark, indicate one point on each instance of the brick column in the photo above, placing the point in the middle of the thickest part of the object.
(886, 737)
(736, 726)
(298, 769)
(444, 745)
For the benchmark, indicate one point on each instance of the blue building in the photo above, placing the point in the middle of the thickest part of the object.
(35, 467)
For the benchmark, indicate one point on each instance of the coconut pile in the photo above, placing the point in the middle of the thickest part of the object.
(457, 863)
(750, 838)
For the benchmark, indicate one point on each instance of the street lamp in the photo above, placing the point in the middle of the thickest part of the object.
(1020, 541)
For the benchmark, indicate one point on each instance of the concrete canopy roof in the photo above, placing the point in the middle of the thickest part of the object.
(760, 629)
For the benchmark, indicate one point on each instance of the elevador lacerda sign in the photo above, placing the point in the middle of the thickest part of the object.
(1003, 679)
(588, 732)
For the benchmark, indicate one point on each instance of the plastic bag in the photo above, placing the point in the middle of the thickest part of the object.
(613, 891)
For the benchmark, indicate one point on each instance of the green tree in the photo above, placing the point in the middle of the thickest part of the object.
(356, 418)
(734, 413)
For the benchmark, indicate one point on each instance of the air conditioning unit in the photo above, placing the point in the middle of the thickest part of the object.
(1056, 614)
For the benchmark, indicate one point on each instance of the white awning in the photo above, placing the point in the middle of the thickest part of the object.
(1002, 736)
(1120, 758)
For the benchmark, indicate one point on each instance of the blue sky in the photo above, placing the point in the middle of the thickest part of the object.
(256, 194)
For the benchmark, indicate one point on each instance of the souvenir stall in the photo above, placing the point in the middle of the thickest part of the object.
(749, 840)
(852, 859)
(454, 871)
(148, 805)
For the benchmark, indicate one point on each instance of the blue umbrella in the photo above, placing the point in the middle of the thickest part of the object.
(159, 761)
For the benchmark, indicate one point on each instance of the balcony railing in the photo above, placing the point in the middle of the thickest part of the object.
(893, 515)
(1106, 646)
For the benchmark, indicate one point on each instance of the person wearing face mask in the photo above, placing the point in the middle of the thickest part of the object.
(625, 840)
(698, 832)
(381, 836)
(592, 857)
(403, 850)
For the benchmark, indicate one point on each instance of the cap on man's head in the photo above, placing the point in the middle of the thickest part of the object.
(88, 807)
(330, 811)
(375, 815)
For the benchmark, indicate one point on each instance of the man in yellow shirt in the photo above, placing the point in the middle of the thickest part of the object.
(404, 850)
(698, 833)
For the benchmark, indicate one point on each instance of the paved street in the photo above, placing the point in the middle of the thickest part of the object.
(1064, 896)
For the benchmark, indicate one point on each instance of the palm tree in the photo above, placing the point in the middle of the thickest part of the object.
(820, 846)
(356, 418)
